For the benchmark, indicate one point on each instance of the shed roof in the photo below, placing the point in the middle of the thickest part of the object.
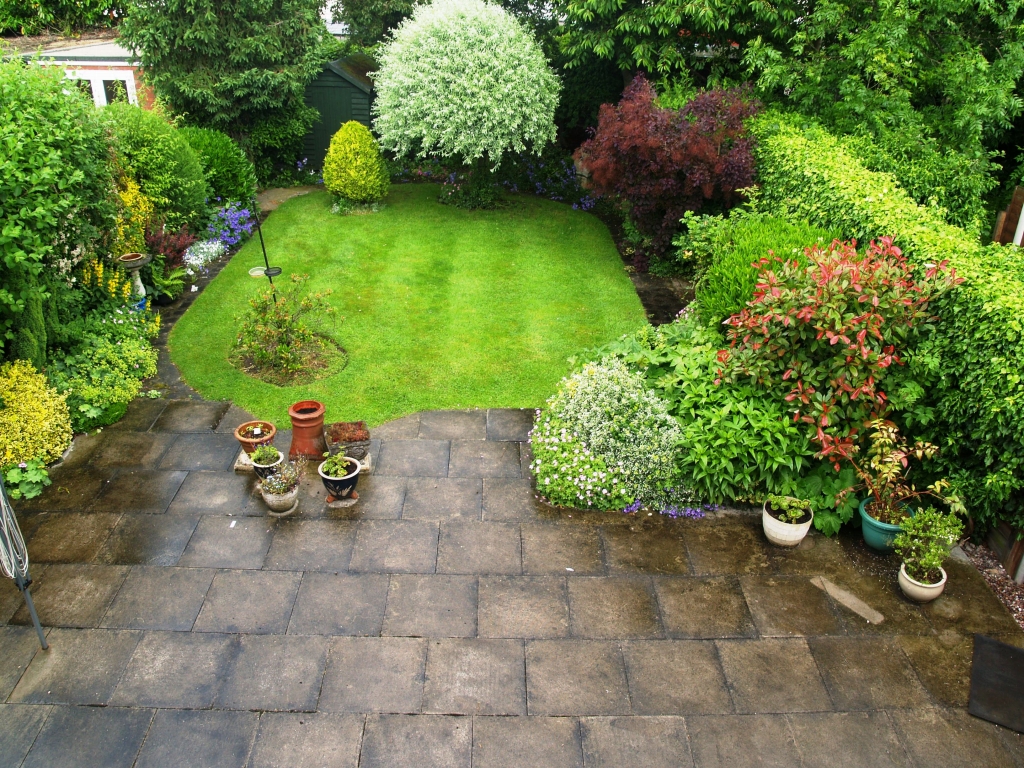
(97, 51)
(355, 69)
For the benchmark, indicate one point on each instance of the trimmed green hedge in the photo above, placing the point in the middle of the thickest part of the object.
(978, 353)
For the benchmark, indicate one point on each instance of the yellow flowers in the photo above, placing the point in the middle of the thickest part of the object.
(134, 212)
(112, 281)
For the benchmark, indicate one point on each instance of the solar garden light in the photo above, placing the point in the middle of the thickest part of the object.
(266, 270)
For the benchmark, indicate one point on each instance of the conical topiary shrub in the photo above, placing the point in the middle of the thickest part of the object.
(353, 168)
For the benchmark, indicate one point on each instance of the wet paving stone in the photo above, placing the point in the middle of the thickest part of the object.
(708, 607)
(727, 544)
(602, 607)
(70, 537)
(307, 741)
(256, 602)
(73, 595)
(380, 497)
(512, 424)
(476, 547)
(395, 546)
(789, 606)
(509, 499)
(142, 413)
(374, 674)
(510, 742)
(968, 605)
(675, 677)
(653, 742)
(431, 606)
(479, 458)
(213, 493)
(201, 452)
(130, 449)
(222, 542)
(414, 458)
(867, 673)
(147, 540)
(772, 676)
(453, 425)
(19, 646)
(442, 498)
(549, 548)
(232, 418)
(275, 673)
(882, 594)
(429, 741)
(10, 597)
(475, 676)
(730, 741)
(833, 739)
(73, 737)
(19, 726)
(405, 428)
(575, 677)
(153, 597)
(71, 491)
(311, 545)
(333, 604)
(81, 666)
(943, 664)
(140, 491)
(951, 738)
(198, 738)
(190, 416)
(656, 548)
(523, 606)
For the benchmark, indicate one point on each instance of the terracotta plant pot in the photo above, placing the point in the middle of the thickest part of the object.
(250, 444)
(915, 590)
(307, 430)
(784, 534)
(341, 487)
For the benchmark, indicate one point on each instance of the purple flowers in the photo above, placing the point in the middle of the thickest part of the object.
(231, 224)
(634, 507)
(691, 512)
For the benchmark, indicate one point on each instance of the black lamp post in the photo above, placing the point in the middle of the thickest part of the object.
(268, 271)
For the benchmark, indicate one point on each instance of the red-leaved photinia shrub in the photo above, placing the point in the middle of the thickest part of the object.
(665, 162)
(170, 243)
(825, 335)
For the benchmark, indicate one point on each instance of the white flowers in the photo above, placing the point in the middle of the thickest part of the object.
(200, 254)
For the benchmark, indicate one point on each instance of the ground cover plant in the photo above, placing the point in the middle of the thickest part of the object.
(442, 308)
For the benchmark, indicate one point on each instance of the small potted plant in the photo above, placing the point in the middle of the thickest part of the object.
(786, 520)
(923, 544)
(253, 434)
(265, 460)
(339, 474)
(280, 490)
(350, 438)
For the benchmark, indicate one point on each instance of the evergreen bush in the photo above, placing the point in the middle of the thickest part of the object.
(231, 175)
(34, 418)
(354, 168)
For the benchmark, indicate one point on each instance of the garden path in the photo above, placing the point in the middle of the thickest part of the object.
(449, 619)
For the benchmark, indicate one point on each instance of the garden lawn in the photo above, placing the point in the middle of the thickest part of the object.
(442, 308)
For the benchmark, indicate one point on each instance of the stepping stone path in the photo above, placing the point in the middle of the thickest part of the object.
(450, 619)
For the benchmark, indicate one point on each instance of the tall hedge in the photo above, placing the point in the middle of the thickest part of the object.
(977, 355)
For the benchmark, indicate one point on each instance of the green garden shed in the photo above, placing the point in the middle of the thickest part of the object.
(342, 92)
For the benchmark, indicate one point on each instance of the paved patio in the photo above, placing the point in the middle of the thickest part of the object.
(448, 619)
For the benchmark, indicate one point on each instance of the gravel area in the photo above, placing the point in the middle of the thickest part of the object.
(1010, 592)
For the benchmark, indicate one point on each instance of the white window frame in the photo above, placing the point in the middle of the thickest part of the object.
(96, 78)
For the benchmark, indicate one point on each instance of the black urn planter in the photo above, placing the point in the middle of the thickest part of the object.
(341, 487)
(263, 471)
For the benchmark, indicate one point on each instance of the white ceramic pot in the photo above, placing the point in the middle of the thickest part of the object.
(281, 504)
(783, 534)
(915, 590)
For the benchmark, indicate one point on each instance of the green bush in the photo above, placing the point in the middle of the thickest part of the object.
(163, 164)
(354, 168)
(30, 17)
(231, 176)
(976, 356)
(34, 419)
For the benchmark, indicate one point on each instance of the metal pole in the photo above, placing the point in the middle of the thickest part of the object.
(14, 557)
(266, 261)
(23, 586)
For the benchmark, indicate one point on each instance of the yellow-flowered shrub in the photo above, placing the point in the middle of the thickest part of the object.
(34, 420)
(110, 280)
(134, 210)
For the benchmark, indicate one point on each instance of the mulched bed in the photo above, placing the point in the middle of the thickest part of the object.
(1009, 592)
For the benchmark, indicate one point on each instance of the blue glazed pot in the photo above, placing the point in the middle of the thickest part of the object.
(877, 535)
(341, 487)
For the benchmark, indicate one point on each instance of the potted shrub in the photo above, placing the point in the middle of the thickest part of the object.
(349, 438)
(280, 490)
(252, 434)
(265, 460)
(786, 519)
(340, 475)
(924, 544)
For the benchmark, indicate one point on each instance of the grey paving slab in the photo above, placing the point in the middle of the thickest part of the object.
(431, 606)
(612, 607)
(509, 424)
(523, 606)
(442, 498)
(647, 548)
(510, 742)
(471, 546)
(339, 604)
(675, 677)
(881, 593)
(427, 741)
(19, 645)
(154, 597)
(475, 676)
(147, 491)
(509, 499)
(484, 458)
(525, 460)
(70, 537)
(453, 425)
(232, 418)
(652, 742)
(951, 738)
(140, 416)
(773, 675)
(201, 452)
(10, 597)
(942, 663)
(380, 497)
(728, 741)
(575, 677)
(98, 737)
(413, 458)
(311, 545)
(213, 493)
(190, 416)
(307, 741)
(73, 595)
(176, 669)
(727, 544)
(275, 673)
(705, 607)
(198, 739)
(374, 674)
(19, 726)
(967, 604)
(786, 606)
(223, 542)
(395, 546)
(81, 666)
(867, 673)
(72, 490)
(130, 449)
(847, 740)
(258, 602)
(147, 540)
(553, 548)
(405, 428)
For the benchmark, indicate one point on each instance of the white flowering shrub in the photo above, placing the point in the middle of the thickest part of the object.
(200, 254)
(605, 441)
(463, 78)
